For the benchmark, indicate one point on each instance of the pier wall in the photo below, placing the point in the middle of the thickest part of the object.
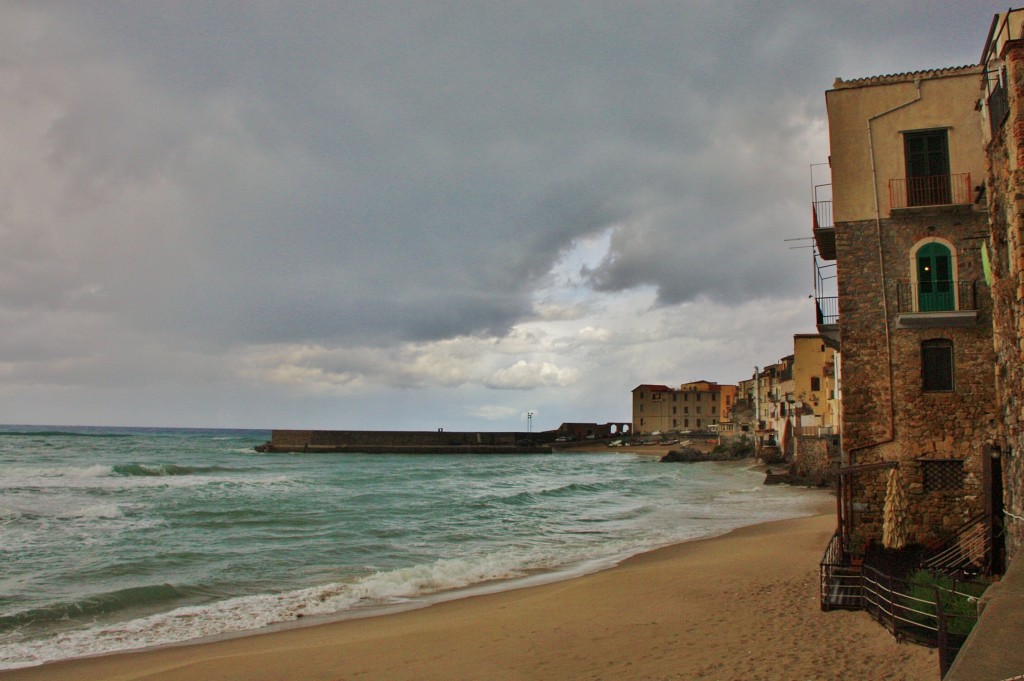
(404, 441)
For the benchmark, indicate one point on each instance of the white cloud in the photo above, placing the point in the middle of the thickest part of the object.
(524, 375)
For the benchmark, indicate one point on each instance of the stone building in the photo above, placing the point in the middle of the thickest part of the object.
(914, 312)
(1002, 112)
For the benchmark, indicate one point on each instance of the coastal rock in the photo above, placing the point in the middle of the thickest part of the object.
(687, 455)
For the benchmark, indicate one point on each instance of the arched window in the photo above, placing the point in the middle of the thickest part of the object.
(937, 365)
(935, 290)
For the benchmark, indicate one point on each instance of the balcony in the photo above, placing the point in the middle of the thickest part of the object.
(936, 304)
(827, 309)
(824, 229)
(930, 190)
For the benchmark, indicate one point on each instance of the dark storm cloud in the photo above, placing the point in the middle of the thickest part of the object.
(215, 175)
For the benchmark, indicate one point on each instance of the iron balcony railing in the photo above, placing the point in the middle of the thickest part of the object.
(998, 107)
(937, 296)
(827, 310)
(930, 190)
(821, 214)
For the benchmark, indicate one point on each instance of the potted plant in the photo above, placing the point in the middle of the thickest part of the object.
(856, 544)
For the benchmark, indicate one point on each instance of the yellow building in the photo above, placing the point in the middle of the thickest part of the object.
(655, 409)
(700, 405)
(814, 383)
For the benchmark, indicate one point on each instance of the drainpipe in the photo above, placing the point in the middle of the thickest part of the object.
(881, 265)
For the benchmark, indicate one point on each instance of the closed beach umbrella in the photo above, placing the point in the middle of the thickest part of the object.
(894, 522)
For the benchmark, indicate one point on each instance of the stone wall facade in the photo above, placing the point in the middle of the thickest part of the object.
(313, 439)
(815, 459)
(1005, 156)
(887, 415)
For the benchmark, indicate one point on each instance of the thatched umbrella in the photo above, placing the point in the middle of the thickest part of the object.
(894, 523)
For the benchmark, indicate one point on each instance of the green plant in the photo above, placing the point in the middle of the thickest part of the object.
(959, 600)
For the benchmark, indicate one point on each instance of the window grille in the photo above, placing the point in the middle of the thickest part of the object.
(939, 476)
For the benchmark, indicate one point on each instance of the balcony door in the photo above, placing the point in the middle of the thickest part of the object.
(927, 156)
(935, 279)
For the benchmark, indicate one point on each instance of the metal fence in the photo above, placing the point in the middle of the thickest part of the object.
(931, 190)
(928, 607)
(956, 295)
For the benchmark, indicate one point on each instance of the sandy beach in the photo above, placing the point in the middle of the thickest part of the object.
(739, 606)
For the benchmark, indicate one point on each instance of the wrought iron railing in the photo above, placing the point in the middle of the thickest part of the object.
(967, 551)
(827, 310)
(935, 605)
(998, 107)
(928, 608)
(930, 190)
(839, 579)
(941, 296)
(821, 213)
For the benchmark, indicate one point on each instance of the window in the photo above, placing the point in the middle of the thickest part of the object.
(815, 383)
(943, 475)
(937, 365)
(673, 410)
(698, 423)
(927, 159)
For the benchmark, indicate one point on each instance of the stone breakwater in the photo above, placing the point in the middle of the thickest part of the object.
(407, 442)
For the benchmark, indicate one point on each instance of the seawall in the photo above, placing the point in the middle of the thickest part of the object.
(407, 442)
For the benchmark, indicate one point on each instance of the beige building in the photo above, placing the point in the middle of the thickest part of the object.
(696, 406)
(655, 409)
(914, 311)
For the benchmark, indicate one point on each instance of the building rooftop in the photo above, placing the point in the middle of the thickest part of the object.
(908, 76)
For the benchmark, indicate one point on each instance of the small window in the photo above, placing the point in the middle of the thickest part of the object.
(943, 476)
(815, 383)
(937, 365)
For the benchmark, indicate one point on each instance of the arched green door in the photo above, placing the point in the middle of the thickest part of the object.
(935, 279)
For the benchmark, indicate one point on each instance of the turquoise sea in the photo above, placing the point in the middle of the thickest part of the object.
(119, 538)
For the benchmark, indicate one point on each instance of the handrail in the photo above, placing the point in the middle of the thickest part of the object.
(930, 190)
(959, 296)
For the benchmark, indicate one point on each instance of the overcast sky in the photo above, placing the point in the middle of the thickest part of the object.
(415, 215)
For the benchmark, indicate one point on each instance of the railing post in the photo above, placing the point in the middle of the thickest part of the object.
(941, 637)
(892, 605)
